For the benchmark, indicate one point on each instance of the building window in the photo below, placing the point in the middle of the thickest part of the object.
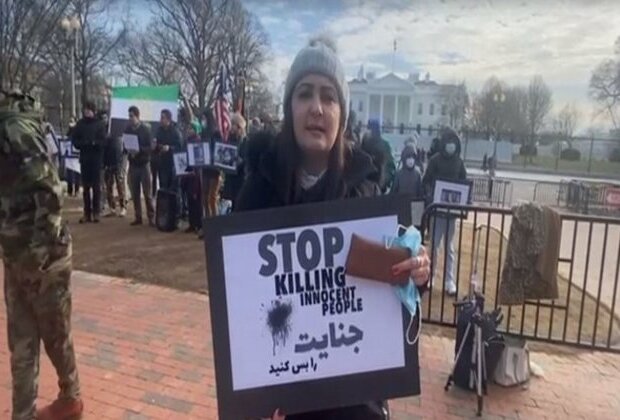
(432, 109)
(420, 109)
(360, 106)
(418, 128)
(444, 109)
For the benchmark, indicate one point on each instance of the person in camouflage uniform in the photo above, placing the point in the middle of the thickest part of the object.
(36, 250)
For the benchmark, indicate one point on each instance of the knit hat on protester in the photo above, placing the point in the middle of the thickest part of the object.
(319, 57)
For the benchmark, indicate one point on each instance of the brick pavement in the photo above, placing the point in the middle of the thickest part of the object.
(145, 352)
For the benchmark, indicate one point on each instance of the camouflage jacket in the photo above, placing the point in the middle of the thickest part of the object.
(30, 189)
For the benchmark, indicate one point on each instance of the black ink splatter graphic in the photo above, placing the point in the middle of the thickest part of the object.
(279, 322)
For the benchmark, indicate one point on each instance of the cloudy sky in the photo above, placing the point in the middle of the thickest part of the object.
(454, 40)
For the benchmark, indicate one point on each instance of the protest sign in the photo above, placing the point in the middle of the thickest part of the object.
(198, 154)
(180, 164)
(290, 327)
(225, 157)
(131, 143)
(73, 164)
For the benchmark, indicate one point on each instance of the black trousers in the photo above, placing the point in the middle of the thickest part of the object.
(91, 167)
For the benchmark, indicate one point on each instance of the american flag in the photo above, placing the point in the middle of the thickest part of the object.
(220, 109)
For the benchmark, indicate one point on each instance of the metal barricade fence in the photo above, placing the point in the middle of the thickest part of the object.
(586, 313)
(495, 192)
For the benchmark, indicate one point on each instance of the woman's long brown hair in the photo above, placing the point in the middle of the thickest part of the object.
(289, 158)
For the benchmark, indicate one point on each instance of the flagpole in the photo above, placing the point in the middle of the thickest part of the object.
(393, 56)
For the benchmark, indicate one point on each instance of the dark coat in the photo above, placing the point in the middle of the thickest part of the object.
(113, 152)
(145, 142)
(234, 182)
(444, 166)
(171, 137)
(261, 191)
(383, 160)
(262, 187)
(88, 137)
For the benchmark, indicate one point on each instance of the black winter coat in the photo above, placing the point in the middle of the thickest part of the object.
(444, 166)
(88, 137)
(261, 191)
(171, 137)
(262, 186)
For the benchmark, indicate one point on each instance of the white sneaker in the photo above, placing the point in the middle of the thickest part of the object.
(109, 213)
(451, 289)
(122, 213)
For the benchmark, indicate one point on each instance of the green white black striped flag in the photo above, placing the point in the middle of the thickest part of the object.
(150, 100)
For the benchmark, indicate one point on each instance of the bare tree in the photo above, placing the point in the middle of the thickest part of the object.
(539, 102)
(96, 41)
(515, 112)
(244, 47)
(191, 33)
(456, 101)
(487, 115)
(148, 60)
(25, 26)
(566, 121)
(605, 86)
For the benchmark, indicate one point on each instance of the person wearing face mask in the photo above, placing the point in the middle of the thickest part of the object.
(446, 164)
(408, 179)
(310, 161)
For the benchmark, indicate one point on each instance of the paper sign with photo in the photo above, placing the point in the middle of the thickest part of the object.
(225, 156)
(180, 164)
(130, 142)
(51, 144)
(198, 154)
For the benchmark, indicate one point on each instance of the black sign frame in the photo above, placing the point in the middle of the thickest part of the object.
(310, 395)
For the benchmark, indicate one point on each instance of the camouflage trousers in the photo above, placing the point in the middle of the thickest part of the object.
(38, 303)
(115, 176)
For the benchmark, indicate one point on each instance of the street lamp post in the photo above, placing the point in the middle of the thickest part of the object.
(71, 26)
(499, 98)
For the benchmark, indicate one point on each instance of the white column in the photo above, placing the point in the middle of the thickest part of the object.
(396, 111)
(381, 110)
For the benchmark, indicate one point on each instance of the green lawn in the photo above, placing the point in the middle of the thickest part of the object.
(580, 166)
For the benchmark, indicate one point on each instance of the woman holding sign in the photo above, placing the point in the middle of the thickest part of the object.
(309, 161)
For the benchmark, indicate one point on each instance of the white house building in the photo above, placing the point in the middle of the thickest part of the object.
(414, 103)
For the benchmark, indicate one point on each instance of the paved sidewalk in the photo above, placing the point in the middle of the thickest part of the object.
(145, 352)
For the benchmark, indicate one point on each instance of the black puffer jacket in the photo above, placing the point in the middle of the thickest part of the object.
(262, 187)
(261, 191)
(443, 165)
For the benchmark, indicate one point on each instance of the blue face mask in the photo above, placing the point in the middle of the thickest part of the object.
(408, 294)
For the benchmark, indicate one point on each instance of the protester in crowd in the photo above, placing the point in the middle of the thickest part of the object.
(114, 175)
(211, 179)
(309, 161)
(237, 137)
(408, 179)
(140, 168)
(168, 142)
(446, 165)
(350, 133)
(435, 148)
(190, 186)
(89, 139)
(255, 126)
(381, 154)
(73, 178)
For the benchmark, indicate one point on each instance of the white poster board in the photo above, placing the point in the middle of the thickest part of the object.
(335, 324)
(198, 154)
(131, 143)
(73, 164)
